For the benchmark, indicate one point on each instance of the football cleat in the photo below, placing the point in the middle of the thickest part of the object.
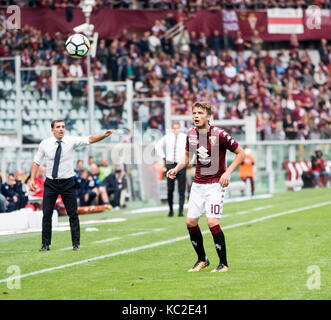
(199, 265)
(221, 268)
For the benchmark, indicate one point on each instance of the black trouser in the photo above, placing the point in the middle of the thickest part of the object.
(66, 188)
(117, 195)
(181, 178)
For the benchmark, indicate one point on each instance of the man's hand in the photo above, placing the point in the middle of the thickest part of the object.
(32, 185)
(172, 173)
(108, 133)
(225, 179)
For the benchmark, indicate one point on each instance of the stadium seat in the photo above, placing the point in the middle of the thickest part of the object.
(8, 85)
(12, 95)
(26, 95)
(25, 102)
(9, 125)
(33, 105)
(82, 113)
(50, 104)
(68, 96)
(62, 95)
(98, 114)
(41, 114)
(42, 104)
(36, 94)
(33, 114)
(74, 114)
(11, 114)
(11, 104)
(49, 113)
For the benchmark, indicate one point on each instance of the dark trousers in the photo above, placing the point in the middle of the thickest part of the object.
(181, 178)
(251, 179)
(65, 188)
(117, 196)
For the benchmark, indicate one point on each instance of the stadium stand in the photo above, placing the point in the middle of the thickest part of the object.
(269, 84)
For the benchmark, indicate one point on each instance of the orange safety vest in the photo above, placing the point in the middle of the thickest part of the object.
(246, 168)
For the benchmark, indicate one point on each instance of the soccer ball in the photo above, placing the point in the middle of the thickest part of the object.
(77, 45)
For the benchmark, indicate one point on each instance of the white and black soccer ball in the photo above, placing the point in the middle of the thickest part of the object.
(77, 45)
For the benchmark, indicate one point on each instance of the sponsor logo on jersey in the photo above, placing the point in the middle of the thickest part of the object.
(203, 155)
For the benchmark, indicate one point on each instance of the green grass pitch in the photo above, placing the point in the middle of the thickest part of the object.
(278, 248)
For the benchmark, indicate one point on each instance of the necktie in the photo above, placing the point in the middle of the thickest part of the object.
(57, 160)
(175, 147)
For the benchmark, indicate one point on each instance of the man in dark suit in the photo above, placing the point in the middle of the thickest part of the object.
(116, 184)
(86, 193)
(8, 191)
(58, 152)
(18, 187)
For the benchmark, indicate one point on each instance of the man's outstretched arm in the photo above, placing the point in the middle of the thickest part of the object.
(99, 137)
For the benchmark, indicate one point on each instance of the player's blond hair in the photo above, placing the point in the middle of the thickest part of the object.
(202, 104)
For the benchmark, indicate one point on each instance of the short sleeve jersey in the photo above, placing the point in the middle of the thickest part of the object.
(210, 150)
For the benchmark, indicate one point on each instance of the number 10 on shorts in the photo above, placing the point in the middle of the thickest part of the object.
(215, 209)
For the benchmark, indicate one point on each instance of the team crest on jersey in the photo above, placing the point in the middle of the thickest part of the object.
(212, 140)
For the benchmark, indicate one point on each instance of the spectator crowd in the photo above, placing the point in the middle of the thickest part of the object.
(287, 93)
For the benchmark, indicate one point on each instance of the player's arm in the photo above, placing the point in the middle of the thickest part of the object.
(99, 137)
(226, 176)
(181, 165)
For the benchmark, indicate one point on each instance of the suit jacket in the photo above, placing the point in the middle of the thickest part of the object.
(112, 183)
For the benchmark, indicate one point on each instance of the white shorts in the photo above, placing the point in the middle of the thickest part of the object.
(206, 199)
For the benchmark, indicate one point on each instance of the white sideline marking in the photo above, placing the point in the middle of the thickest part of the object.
(108, 240)
(117, 238)
(138, 233)
(160, 243)
(255, 209)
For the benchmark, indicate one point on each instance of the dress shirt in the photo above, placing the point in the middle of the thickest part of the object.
(47, 149)
(174, 146)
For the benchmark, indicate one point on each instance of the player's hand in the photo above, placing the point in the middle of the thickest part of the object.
(32, 185)
(108, 133)
(225, 179)
(172, 173)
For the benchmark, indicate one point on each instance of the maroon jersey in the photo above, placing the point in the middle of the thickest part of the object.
(210, 149)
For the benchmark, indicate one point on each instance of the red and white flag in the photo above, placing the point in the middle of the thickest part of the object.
(285, 21)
